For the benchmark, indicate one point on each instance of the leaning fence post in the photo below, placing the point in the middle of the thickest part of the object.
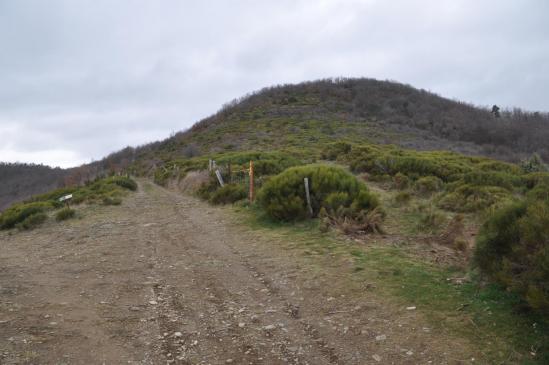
(251, 195)
(308, 195)
(210, 164)
(219, 178)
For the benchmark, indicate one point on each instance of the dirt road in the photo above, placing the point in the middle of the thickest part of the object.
(165, 278)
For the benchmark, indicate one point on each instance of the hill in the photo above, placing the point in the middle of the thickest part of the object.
(309, 114)
(20, 181)
(304, 117)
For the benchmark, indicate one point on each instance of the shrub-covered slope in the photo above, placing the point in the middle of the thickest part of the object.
(307, 115)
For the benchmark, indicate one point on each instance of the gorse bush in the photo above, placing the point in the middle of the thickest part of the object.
(513, 249)
(334, 189)
(228, 194)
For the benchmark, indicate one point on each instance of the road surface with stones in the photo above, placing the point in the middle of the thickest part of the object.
(165, 278)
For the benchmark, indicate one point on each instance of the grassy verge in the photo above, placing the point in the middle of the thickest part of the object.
(486, 315)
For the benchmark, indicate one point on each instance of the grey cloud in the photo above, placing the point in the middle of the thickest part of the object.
(83, 78)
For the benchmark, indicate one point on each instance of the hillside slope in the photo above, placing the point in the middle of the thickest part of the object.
(20, 181)
(358, 110)
(304, 117)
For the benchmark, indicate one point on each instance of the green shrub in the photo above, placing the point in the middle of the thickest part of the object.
(228, 194)
(540, 193)
(470, 198)
(64, 214)
(492, 178)
(207, 189)
(32, 221)
(334, 150)
(20, 212)
(332, 188)
(535, 178)
(534, 164)
(428, 185)
(402, 197)
(265, 163)
(125, 182)
(513, 249)
(430, 219)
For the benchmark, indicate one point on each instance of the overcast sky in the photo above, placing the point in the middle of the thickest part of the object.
(80, 79)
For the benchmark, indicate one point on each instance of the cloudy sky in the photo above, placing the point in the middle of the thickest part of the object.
(80, 79)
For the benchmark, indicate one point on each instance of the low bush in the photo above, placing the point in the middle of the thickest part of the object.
(20, 212)
(228, 194)
(402, 197)
(429, 218)
(540, 192)
(331, 188)
(64, 214)
(125, 182)
(32, 221)
(334, 150)
(470, 198)
(513, 249)
(428, 185)
(265, 163)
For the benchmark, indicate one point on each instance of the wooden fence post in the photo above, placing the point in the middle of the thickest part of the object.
(308, 195)
(219, 178)
(251, 182)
